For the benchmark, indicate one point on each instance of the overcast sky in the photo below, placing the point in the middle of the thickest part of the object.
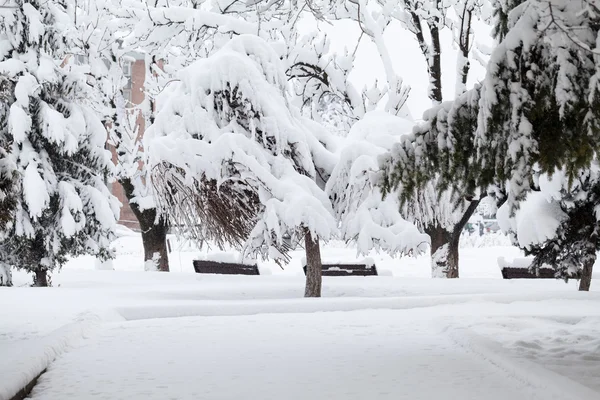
(407, 59)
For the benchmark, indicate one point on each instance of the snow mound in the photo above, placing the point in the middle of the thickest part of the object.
(534, 222)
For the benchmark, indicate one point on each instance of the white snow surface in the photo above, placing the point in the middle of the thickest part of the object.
(534, 222)
(151, 335)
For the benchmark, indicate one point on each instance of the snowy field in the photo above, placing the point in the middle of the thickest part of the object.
(130, 334)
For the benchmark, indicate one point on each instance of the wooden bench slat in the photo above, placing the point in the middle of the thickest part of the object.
(223, 268)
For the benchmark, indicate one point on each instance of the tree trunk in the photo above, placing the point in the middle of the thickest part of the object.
(586, 274)
(154, 230)
(452, 271)
(445, 245)
(5, 276)
(41, 278)
(440, 251)
(314, 266)
(154, 237)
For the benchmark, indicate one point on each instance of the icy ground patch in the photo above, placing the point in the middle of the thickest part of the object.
(143, 335)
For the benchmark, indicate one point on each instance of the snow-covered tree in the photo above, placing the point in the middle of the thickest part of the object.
(534, 119)
(540, 116)
(424, 170)
(171, 35)
(557, 224)
(431, 207)
(63, 207)
(323, 91)
(7, 173)
(541, 90)
(101, 42)
(234, 162)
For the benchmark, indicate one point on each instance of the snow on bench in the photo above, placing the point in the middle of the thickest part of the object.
(519, 269)
(364, 268)
(225, 264)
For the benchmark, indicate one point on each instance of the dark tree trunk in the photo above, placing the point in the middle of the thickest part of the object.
(41, 278)
(445, 245)
(440, 248)
(154, 237)
(154, 230)
(452, 271)
(586, 274)
(432, 54)
(314, 266)
(464, 42)
(5, 276)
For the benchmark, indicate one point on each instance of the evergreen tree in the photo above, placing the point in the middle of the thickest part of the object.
(572, 249)
(536, 116)
(541, 116)
(7, 173)
(423, 169)
(63, 207)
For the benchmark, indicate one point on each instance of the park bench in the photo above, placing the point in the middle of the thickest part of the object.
(519, 269)
(224, 268)
(525, 273)
(347, 270)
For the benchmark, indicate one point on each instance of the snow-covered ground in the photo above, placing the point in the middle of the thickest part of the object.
(148, 335)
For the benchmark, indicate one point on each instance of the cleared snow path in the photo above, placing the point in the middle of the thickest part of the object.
(370, 354)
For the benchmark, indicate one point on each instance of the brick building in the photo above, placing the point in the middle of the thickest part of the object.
(135, 70)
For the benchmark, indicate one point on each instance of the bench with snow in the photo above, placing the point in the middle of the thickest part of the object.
(347, 270)
(224, 268)
(519, 269)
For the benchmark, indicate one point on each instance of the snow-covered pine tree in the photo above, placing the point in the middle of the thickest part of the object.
(540, 115)
(536, 119)
(557, 224)
(173, 34)
(541, 89)
(234, 162)
(7, 173)
(63, 207)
